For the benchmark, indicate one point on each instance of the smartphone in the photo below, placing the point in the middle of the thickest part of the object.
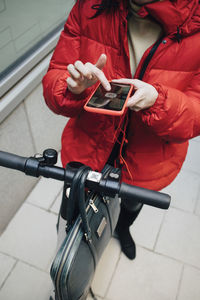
(109, 103)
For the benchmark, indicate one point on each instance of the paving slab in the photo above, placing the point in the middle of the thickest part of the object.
(192, 162)
(197, 207)
(190, 284)
(150, 276)
(31, 236)
(184, 190)
(179, 237)
(146, 227)
(106, 268)
(26, 283)
(196, 139)
(55, 208)
(98, 298)
(7, 263)
(45, 193)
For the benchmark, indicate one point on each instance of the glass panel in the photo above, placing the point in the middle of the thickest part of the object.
(24, 24)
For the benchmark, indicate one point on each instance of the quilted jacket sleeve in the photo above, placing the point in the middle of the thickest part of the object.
(175, 116)
(57, 97)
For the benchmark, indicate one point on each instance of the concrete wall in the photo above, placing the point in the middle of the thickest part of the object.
(29, 129)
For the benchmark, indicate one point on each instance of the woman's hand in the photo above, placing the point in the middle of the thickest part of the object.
(145, 94)
(83, 76)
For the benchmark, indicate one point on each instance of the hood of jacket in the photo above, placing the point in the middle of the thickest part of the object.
(180, 17)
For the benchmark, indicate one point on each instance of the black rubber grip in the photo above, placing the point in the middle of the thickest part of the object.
(149, 197)
(12, 161)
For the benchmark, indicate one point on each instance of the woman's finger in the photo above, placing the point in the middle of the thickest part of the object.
(73, 72)
(71, 83)
(123, 80)
(99, 75)
(83, 69)
(135, 82)
(133, 100)
(101, 61)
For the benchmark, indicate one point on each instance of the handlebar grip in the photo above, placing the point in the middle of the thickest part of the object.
(149, 197)
(12, 161)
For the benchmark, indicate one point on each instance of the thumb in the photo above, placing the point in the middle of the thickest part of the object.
(101, 61)
(134, 98)
(138, 83)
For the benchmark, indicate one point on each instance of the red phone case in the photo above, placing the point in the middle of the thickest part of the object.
(108, 111)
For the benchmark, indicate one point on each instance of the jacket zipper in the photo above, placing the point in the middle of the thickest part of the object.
(148, 58)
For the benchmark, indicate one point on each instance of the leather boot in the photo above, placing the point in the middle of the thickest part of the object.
(126, 219)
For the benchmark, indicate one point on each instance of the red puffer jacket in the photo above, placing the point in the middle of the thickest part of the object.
(158, 137)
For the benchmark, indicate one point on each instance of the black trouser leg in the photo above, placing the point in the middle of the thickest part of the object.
(128, 214)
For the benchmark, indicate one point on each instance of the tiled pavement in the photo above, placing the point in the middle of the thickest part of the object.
(167, 266)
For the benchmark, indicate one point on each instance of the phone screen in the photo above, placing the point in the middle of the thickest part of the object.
(112, 100)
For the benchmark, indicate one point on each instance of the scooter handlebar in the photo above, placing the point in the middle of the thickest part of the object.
(145, 196)
(12, 161)
(31, 166)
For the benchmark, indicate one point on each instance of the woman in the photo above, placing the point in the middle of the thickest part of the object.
(153, 45)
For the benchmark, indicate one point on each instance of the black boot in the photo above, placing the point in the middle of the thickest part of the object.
(126, 219)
